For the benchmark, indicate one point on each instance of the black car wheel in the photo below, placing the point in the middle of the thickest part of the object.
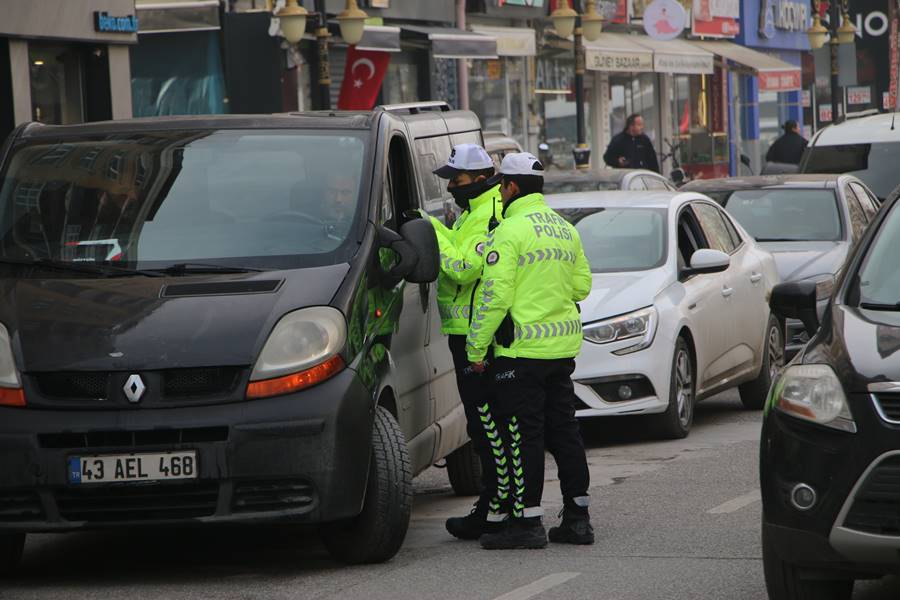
(784, 581)
(754, 393)
(464, 471)
(11, 547)
(676, 422)
(377, 534)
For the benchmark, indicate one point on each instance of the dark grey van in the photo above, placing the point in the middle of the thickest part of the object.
(225, 319)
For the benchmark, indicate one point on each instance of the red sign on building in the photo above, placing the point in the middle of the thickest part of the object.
(780, 81)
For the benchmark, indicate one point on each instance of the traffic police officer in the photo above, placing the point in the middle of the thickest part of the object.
(476, 190)
(535, 271)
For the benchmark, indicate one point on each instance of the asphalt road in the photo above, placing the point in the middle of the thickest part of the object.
(673, 520)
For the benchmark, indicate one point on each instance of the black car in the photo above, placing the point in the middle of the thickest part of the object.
(830, 448)
(808, 223)
(225, 319)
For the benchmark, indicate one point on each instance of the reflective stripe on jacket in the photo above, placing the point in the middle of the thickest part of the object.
(461, 263)
(534, 271)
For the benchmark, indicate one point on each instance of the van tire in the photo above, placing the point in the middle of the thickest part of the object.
(754, 393)
(464, 471)
(784, 580)
(377, 534)
(11, 547)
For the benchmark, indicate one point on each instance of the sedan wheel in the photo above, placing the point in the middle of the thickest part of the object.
(754, 393)
(676, 422)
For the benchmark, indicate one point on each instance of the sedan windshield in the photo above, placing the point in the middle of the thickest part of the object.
(786, 215)
(620, 239)
(877, 285)
(260, 198)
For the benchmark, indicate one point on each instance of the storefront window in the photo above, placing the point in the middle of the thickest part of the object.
(699, 127)
(57, 74)
(496, 89)
(401, 82)
(634, 94)
(556, 102)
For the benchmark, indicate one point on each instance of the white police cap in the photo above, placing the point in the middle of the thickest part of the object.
(521, 163)
(465, 157)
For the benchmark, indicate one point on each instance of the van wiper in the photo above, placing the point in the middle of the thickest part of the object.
(191, 268)
(79, 267)
(879, 306)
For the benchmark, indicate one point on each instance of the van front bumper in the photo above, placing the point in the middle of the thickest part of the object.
(303, 457)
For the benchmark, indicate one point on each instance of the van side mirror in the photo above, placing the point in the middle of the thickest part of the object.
(417, 248)
(707, 261)
(796, 300)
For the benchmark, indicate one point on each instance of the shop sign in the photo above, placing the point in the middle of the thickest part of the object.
(782, 15)
(860, 94)
(103, 23)
(886, 100)
(554, 74)
(806, 99)
(683, 64)
(614, 11)
(895, 59)
(380, 3)
(664, 19)
(825, 112)
(716, 18)
(629, 62)
(780, 81)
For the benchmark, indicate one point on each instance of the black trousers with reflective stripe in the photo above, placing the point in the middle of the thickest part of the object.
(475, 390)
(538, 399)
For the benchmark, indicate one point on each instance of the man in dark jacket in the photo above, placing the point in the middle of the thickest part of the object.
(789, 147)
(631, 149)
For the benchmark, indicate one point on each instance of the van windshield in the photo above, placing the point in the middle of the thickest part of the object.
(241, 198)
(875, 164)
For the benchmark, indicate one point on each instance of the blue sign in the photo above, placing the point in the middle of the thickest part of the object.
(775, 24)
(104, 23)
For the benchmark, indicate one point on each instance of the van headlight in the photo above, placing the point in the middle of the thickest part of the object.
(813, 393)
(302, 350)
(11, 393)
(639, 326)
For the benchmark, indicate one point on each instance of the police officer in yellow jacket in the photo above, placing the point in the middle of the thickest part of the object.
(535, 272)
(476, 190)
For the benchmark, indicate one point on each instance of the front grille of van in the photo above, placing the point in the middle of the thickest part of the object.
(109, 504)
(20, 506)
(132, 439)
(889, 406)
(876, 507)
(267, 496)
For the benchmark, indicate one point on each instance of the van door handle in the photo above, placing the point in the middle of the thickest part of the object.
(727, 291)
(755, 277)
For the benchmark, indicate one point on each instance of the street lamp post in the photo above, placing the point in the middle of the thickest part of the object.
(835, 36)
(323, 64)
(582, 24)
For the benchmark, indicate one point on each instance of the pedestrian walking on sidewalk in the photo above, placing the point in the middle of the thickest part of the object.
(631, 148)
(789, 148)
(535, 272)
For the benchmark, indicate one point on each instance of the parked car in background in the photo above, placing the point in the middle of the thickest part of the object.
(866, 147)
(563, 182)
(678, 310)
(263, 345)
(830, 445)
(498, 144)
(808, 223)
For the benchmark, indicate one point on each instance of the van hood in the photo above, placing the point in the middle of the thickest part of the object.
(800, 260)
(126, 323)
(615, 294)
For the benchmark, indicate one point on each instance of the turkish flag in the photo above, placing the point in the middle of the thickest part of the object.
(363, 75)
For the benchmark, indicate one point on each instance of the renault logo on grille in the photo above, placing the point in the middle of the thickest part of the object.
(134, 389)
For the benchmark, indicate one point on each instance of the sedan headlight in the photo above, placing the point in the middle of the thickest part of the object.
(813, 393)
(11, 393)
(639, 326)
(301, 351)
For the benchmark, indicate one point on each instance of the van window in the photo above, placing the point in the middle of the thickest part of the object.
(261, 198)
(432, 153)
(467, 137)
(875, 164)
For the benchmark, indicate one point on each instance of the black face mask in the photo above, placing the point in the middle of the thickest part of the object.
(464, 194)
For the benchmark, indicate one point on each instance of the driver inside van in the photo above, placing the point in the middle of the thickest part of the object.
(337, 211)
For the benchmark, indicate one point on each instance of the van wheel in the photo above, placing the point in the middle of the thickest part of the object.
(754, 393)
(11, 547)
(464, 471)
(676, 422)
(783, 580)
(377, 534)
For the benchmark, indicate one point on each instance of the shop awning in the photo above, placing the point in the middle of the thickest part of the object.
(447, 42)
(775, 75)
(678, 57)
(618, 52)
(511, 41)
(165, 17)
(380, 39)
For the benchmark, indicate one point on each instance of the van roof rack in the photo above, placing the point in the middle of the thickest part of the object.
(415, 108)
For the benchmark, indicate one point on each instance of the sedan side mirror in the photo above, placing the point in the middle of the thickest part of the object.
(707, 261)
(796, 300)
(417, 247)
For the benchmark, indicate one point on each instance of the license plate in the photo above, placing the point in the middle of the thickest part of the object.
(113, 468)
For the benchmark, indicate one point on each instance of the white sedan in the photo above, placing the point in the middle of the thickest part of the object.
(679, 307)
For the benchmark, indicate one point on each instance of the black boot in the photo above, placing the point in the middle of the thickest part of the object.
(575, 527)
(473, 525)
(517, 534)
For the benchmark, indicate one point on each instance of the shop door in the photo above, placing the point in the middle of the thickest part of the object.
(635, 93)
